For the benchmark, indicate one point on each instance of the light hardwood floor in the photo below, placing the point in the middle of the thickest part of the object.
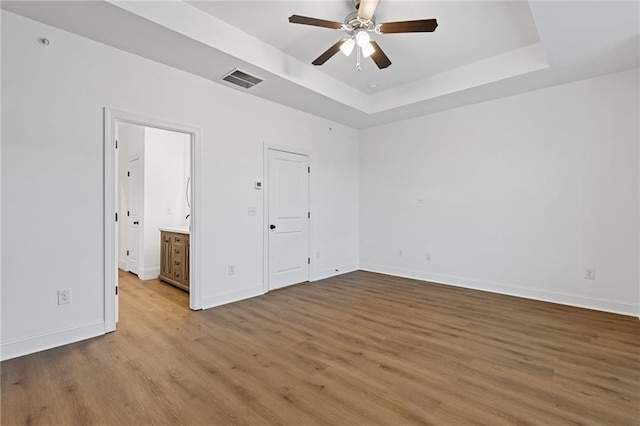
(359, 349)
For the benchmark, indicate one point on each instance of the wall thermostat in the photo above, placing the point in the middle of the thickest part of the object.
(257, 185)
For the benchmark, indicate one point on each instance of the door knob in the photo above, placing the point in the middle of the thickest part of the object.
(272, 227)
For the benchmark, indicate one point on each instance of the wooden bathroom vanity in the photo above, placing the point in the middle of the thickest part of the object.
(174, 257)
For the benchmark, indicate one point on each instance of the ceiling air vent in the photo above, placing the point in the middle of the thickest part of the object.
(241, 78)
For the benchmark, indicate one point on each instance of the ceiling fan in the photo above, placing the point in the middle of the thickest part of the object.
(358, 26)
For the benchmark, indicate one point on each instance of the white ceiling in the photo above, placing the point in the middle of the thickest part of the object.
(481, 50)
(467, 32)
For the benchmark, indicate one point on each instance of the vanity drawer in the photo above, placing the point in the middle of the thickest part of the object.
(178, 252)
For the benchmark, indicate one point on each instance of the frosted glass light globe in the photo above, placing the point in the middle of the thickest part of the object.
(362, 37)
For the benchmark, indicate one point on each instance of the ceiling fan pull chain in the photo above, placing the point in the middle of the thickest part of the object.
(358, 60)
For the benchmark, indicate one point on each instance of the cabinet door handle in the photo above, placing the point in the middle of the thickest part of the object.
(135, 222)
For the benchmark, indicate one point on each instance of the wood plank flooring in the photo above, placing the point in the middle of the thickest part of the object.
(359, 349)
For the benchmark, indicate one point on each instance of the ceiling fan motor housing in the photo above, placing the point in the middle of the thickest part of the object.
(352, 23)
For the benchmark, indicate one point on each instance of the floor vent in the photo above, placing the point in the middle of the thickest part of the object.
(241, 78)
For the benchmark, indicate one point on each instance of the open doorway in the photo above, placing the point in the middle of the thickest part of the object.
(153, 202)
(150, 189)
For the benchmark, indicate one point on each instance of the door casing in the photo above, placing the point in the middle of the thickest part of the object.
(111, 117)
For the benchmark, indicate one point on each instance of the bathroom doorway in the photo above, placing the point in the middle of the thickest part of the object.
(153, 197)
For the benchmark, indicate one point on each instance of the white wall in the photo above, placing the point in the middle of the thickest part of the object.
(520, 194)
(164, 191)
(52, 178)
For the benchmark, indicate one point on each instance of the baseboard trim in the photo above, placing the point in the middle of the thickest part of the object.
(122, 264)
(598, 304)
(149, 273)
(334, 273)
(235, 296)
(41, 342)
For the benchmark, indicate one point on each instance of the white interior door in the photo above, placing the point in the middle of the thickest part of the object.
(288, 201)
(134, 198)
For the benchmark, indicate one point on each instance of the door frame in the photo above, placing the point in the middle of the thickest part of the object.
(265, 208)
(111, 116)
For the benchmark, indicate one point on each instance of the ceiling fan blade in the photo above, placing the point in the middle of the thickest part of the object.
(297, 19)
(381, 60)
(328, 54)
(367, 9)
(419, 26)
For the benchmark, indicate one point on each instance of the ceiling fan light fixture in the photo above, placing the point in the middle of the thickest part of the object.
(358, 26)
(368, 50)
(362, 37)
(347, 46)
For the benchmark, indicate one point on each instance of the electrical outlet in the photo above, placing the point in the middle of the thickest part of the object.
(231, 270)
(589, 274)
(252, 210)
(427, 256)
(399, 253)
(64, 296)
